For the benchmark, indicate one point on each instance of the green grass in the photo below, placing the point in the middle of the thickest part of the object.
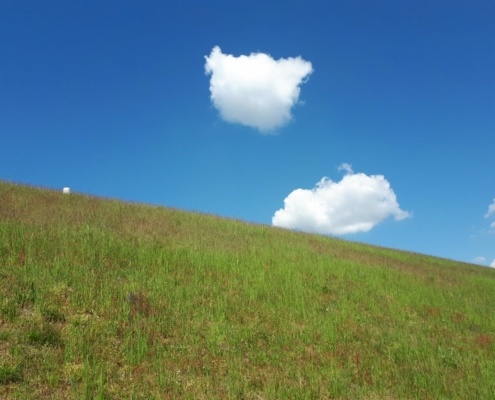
(101, 299)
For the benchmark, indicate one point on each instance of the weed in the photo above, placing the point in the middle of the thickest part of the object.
(26, 295)
(484, 340)
(139, 304)
(10, 374)
(9, 309)
(52, 314)
(45, 334)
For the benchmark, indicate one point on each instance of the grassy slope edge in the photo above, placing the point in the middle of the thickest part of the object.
(101, 299)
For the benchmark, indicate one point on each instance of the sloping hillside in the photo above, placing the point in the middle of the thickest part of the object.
(101, 299)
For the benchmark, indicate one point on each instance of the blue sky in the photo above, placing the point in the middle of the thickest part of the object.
(397, 112)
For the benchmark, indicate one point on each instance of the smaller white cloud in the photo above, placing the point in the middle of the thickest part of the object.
(479, 260)
(493, 264)
(355, 204)
(346, 167)
(491, 209)
(490, 213)
(255, 90)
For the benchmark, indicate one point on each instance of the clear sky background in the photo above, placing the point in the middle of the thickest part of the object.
(381, 112)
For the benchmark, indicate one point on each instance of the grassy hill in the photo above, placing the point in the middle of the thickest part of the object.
(101, 299)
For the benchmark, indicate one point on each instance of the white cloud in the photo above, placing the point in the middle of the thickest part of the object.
(479, 260)
(346, 167)
(255, 90)
(493, 264)
(355, 204)
(490, 212)
(491, 209)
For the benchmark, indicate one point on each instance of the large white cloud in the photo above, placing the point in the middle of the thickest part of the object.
(493, 263)
(355, 204)
(255, 90)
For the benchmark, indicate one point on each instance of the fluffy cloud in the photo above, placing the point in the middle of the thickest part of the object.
(491, 209)
(490, 212)
(493, 264)
(255, 90)
(355, 204)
